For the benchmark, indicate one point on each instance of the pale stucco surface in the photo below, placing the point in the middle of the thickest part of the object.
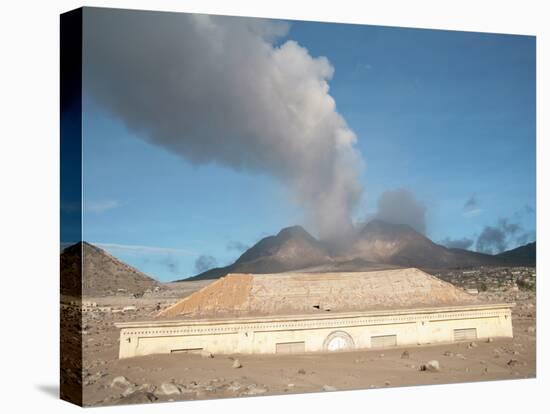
(265, 334)
(295, 312)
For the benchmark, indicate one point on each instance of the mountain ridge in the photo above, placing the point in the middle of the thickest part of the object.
(88, 270)
(377, 244)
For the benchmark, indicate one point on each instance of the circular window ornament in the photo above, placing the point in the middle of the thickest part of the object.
(338, 341)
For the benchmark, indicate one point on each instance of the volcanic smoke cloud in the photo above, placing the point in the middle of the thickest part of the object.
(400, 206)
(230, 91)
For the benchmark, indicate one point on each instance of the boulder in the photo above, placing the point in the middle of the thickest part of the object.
(146, 388)
(329, 388)
(168, 388)
(120, 382)
(206, 354)
(234, 386)
(123, 385)
(431, 366)
(512, 362)
(254, 389)
(138, 397)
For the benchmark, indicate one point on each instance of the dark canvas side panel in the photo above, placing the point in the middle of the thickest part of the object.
(71, 206)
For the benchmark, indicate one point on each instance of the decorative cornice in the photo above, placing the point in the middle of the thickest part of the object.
(214, 327)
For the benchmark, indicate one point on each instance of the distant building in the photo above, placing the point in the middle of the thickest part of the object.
(313, 312)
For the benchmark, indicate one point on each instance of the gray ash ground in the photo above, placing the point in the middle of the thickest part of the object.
(109, 381)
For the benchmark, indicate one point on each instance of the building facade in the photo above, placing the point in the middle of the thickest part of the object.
(307, 333)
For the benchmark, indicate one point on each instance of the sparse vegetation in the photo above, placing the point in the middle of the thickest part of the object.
(525, 285)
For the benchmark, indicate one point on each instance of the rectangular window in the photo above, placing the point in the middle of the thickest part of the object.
(383, 341)
(465, 334)
(186, 351)
(290, 347)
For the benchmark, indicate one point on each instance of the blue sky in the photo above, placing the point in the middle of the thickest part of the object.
(448, 116)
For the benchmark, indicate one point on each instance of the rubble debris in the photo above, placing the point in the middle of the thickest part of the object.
(329, 388)
(431, 366)
(167, 388)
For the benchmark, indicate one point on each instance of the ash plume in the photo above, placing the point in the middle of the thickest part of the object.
(401, 207)
(230, 91)
(237, 246)
(499, 237)
(464, 243)
(204, 263)
(471, 207)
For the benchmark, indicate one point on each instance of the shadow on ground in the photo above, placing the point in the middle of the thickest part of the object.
(49, 389)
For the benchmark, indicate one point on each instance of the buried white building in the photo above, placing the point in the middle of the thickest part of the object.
(313, 312)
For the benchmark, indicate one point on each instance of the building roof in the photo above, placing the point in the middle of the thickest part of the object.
(239, 294)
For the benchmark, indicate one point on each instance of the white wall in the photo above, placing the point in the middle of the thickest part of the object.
(262, 336)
